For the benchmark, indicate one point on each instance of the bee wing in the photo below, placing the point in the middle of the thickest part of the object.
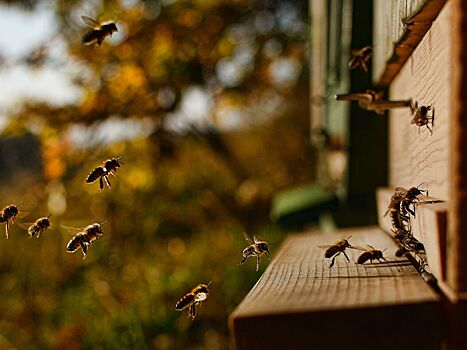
(25, 225)
(400, 190)
(325, 246)
(248, 239)
(72, 229)
(359, 248)
(91, 22)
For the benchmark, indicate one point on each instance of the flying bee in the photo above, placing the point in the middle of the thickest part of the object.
(8, 215)
(99, 31)
(256, 248)
(84, 238)
(370, 254)
(102, 172)
(196, 296)
(39, 226)
(420, 116)
(360, 58)
(336, 249)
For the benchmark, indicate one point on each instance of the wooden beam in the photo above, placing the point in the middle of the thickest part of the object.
(412, 30)
(302, 303)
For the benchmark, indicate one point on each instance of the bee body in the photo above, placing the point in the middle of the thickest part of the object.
(7, 216)
(196, 296)
(38, 227)
(370, 254)
(99, 32)
(360, 58)
(102, 172)
(84, 239)
(336, 249)
(420, 116)
(257, 248)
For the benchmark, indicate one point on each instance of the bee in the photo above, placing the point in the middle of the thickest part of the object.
(409, 197)
(370, 254)
(8, 215)
(39, 226)
(256, 248)
(196, 296)
(420, 116)
(333, 251)
(360, 58)
(401, 251)
(102, 172)
(99, 31)
(84, 238)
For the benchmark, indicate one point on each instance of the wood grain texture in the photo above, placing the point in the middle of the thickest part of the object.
(302, 303)
(420, 157)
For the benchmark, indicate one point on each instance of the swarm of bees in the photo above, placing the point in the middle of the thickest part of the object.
(99, 31)
(256, 248)
(360, 58)
(194, 297)
(402, 208)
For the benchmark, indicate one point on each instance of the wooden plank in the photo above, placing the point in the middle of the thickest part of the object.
(400, 27)
(302, 303)
(457, 233)
(429, 227)
(421, 157)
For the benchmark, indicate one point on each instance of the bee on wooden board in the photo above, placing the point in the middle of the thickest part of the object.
(39, 226)
(360, 58)
(196, 296)
(99, 31)
(84, 238)
(371, 254)
(420, 116)
(102, 172)
(8, 215)
(333, 251)
(256, 248)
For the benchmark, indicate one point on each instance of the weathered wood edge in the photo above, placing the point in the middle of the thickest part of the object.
(416, 27)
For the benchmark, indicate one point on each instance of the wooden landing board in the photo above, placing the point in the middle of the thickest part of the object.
(301, 303)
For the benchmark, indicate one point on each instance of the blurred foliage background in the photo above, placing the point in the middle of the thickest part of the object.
(207, 102)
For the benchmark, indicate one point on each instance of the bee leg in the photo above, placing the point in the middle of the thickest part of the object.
(346, 256)
(6, 229)
(431, 131)
(192, 311)
(333, 259)
(101, 183)
(243, 260)
(84, 248)
(107, 181)
(364, 67)
(257, 262)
